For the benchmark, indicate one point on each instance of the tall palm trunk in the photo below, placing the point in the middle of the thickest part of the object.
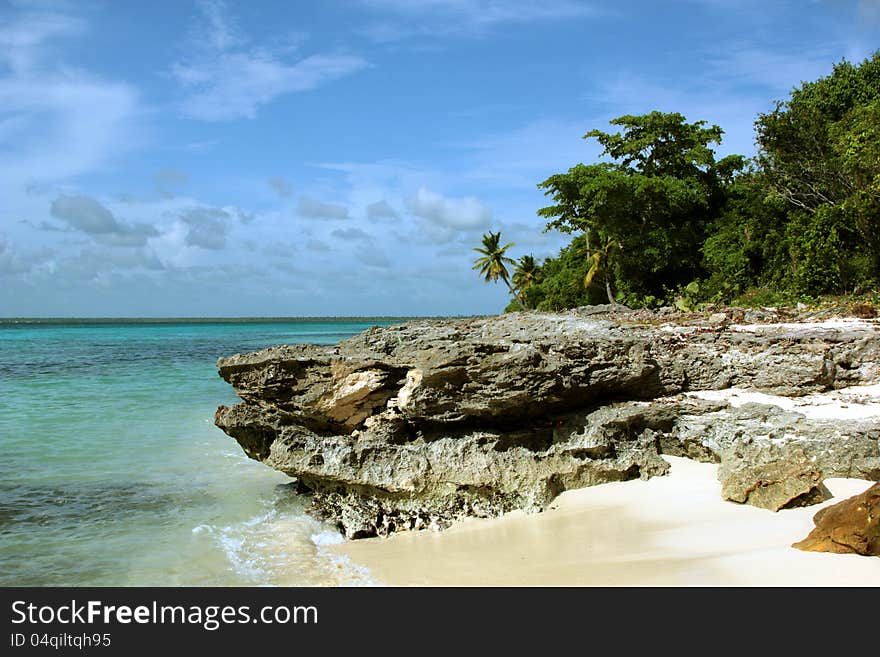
(516, 296)
(611, 299)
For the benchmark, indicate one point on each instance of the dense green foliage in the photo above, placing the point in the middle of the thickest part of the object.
(820, 151)
(561, 281)
(660, 220)
(642, 214)
(747, 246)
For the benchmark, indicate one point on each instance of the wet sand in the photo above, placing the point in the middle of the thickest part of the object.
(667, 531)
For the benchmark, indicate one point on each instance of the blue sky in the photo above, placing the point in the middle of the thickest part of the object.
(343, 157)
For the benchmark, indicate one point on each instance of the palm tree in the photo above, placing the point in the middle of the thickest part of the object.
(493, 262)
(526, 273)
(598, 261)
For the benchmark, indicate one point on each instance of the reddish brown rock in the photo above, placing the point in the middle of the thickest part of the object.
(849, 527)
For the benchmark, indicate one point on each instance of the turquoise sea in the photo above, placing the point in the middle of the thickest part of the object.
(113, 474)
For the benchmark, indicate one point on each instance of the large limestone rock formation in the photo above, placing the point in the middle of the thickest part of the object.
(414, 425)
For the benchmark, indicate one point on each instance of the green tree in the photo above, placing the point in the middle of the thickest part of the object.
(561, 284)
(807, 142)
(525, 276)
(644, 216)
(747, 246)
(493, 261)
(820, 152)
(856, 140)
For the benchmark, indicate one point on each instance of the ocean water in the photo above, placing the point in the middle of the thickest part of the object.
(113, 474)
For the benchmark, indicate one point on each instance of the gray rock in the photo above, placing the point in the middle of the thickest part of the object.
(769, 476)
(415, 425)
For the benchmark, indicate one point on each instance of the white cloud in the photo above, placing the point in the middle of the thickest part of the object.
(57, 122)
(86, 215)
(389, 180)
(506, 165)
(206, 227)
(23, 39)
(381, 210)
(104, 260)
(225, 80)
(219, 31)
(235, 85)
(67, 126)
(460, 214)
(309, 207)
(444, 17)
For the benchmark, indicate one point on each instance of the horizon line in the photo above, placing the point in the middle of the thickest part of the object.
(158, 318)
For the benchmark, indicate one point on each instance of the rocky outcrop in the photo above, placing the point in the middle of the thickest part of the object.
(771, 476)
(849, 527)
(414, 425)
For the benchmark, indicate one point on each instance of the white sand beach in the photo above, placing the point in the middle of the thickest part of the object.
(667, 531)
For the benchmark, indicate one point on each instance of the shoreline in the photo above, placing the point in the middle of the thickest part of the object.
(673, 530)
(425, 423)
